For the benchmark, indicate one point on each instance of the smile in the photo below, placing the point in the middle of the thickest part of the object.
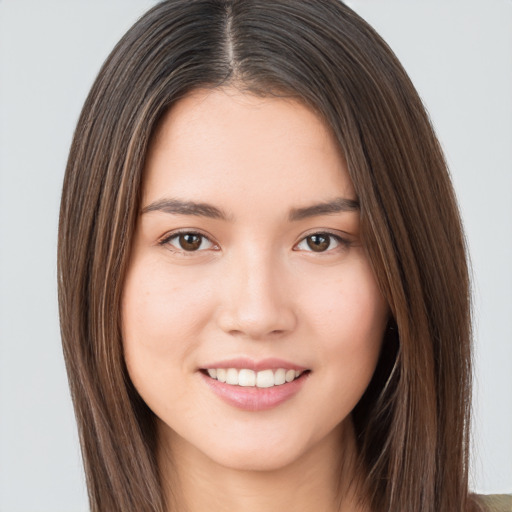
(254, 385)
(249, 378)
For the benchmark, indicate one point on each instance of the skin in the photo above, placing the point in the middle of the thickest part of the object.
(255, 289)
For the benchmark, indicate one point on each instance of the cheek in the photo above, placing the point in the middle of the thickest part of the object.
(162, 315)
(159, 308)
(348, 317)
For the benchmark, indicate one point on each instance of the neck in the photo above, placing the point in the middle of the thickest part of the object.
(322, 479)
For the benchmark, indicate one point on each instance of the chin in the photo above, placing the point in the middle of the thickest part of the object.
(264, 459)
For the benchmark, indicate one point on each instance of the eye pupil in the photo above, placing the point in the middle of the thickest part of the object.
(190, 241)
(318, 243)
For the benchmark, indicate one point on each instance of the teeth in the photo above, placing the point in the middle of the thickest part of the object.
(279, 377)
(247, 378)
(250, 378)
(232, 377)
(265, 379)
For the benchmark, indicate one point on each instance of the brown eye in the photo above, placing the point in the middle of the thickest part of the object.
(322, 242)
(188, 242)
(319, 242)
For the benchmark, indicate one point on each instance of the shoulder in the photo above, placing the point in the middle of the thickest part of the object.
(495, 502)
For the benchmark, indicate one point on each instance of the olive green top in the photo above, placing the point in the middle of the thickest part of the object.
(497, 502)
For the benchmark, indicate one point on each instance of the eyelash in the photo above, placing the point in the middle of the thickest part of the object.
(342, 242)
(175, 234)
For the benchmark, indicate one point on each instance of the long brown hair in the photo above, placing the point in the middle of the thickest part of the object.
(412, 423)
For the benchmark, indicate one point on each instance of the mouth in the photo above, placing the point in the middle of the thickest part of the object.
(245, 377)
(255, 386)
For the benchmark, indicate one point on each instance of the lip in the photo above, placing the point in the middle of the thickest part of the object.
(252, 398)
(250, 364)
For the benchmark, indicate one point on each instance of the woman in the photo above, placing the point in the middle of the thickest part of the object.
(263, 284)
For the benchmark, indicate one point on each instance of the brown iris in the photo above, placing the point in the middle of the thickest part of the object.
(318, 243)
(190, 241)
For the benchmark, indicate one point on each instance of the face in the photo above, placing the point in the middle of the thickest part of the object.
(252, 321)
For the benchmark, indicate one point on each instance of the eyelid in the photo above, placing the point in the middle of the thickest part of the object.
(165, 239)
(342, 238)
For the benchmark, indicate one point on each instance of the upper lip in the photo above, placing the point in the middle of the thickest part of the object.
(256, 365)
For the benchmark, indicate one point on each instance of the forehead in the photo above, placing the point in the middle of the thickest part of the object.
(232, 145)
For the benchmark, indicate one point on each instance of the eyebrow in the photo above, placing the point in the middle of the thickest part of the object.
(179, 207)
(338, 205)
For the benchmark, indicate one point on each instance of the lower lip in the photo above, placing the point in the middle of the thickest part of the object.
(253, 398)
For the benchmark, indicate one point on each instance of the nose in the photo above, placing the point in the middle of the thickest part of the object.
(257, 302)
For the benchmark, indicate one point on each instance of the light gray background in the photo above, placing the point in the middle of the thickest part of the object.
(459, 55)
